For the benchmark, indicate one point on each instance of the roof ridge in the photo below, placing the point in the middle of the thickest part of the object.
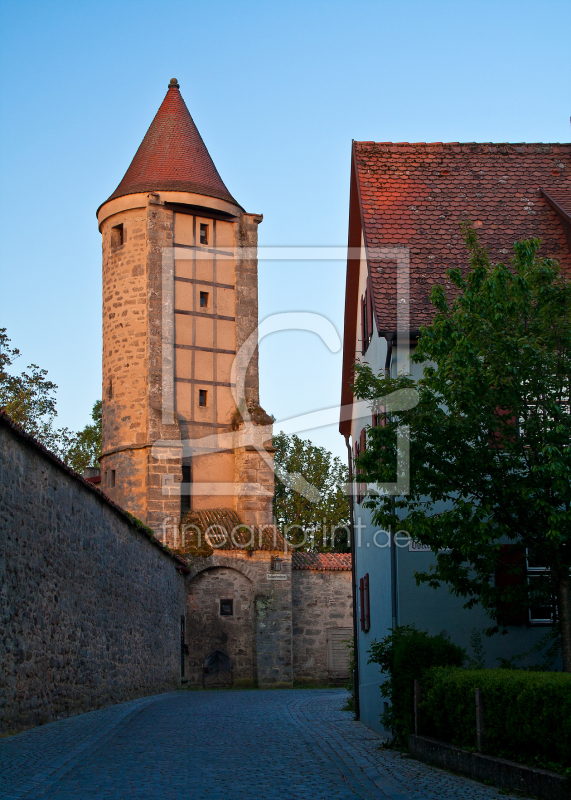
(465, 144)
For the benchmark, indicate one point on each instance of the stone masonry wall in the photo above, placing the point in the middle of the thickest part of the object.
(321, 601)
(258, 638)
(132, 366)
(90, 606)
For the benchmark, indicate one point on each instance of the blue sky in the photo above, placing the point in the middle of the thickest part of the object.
(278, 91)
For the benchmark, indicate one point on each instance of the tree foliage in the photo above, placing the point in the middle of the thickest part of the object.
(84, 448)
(310, 494)
(30, 399)
(490, 454)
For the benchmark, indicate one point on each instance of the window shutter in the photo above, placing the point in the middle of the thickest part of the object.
(498, 437)
(369, 298)
(363, 331)
(510, 571)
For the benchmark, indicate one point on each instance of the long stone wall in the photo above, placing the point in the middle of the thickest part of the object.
(91, 607)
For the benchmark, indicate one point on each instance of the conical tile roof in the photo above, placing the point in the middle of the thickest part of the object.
(172, 157)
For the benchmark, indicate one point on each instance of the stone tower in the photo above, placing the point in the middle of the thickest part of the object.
(182, 425)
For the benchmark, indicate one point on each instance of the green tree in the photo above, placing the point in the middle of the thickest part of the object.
(490, 454)
(310, 494)
(84, 448)
(30, 399)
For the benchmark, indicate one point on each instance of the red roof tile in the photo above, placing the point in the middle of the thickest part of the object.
(172, 156)
(415, 195)
(321, 561)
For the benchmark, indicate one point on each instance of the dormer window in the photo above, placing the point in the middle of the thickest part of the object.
(203, 299)
(203, 233)
(117, 236)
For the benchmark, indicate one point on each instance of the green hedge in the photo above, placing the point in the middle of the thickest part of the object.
(405, 655)
(527, 714)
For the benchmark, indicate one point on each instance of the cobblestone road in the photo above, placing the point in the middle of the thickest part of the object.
(238, 745)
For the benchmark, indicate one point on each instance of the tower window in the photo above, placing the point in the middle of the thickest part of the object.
(110, 478)
(110, 389)
(185, 489)
(117, 236)
(226, 608)
(203, 233)
(203, 299)
(202, 397)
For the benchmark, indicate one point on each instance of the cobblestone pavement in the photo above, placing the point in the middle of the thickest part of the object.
(219, 745)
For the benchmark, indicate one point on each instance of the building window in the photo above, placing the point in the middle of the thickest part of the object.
(117, 236)
(226, 608)
(110, 389)
(111, 481)
(542, 611)
(203, 233)
(203, 299)
(185, 490)
(202, 398)
(365, 603)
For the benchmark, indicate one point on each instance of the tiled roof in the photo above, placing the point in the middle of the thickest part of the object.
(172, 156)
(415, 195)
(321, 561)
(222, 529)
(137, 525)
(560, 200)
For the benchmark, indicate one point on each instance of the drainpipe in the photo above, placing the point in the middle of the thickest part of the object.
(393, 551)
(353, 583)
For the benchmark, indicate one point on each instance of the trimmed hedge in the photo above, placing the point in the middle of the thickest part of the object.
(527, 714)
(405, 655)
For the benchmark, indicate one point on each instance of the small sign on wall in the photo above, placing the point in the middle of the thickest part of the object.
(276, 576)
(416, 547)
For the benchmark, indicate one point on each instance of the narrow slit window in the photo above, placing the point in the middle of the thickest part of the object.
(185, 489)
(203, 233)
(203, 299)
(117, 236)
(202, 398)
(226, 608)
(112, 478)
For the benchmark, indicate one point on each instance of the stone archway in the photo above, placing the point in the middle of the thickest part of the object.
(221, 616)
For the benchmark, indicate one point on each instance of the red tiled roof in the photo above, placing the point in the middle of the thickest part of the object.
(415, 195)
(172, 156)
(321, 561)
(560, 200)
(222, 529)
